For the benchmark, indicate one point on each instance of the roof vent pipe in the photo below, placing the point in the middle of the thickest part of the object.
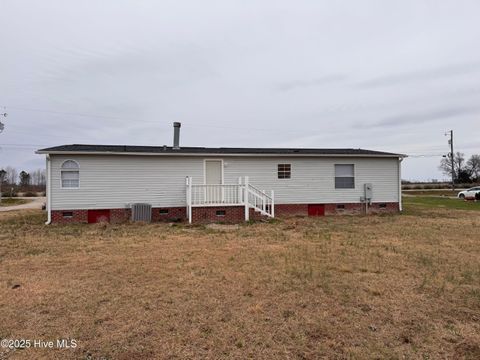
(176, 135)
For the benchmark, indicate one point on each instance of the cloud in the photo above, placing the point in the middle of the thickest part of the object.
(422, 75)
(422, 117)
(125, 74)
(325, 80)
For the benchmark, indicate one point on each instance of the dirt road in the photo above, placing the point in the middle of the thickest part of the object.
(36, 203)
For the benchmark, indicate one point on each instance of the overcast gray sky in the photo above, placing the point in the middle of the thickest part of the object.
(383, 75)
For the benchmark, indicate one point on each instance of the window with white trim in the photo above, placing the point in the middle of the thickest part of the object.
(70, 174)
(284, 171)
(344, 176)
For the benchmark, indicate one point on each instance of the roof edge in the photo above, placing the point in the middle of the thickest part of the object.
(385, 155)
(209, 151)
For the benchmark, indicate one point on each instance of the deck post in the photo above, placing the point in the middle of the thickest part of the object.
(245, 199)
(190, 200)
(186, 194)
(239, 194)
(272, 210)
(264, 201)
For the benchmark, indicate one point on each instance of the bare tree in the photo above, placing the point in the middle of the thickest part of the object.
(11, 176)
(38, 177)
(43, 177)
(35, 177)
(473, 165)
(458, 165)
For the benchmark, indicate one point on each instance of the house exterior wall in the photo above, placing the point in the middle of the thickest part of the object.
(113, 182)
(313, 179)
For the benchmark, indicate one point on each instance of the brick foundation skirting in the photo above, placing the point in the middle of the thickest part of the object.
(291, 210)
(120, 215)
(226, 214)
(69, 216)
(358, 208)
(171, 214)
(336, 209)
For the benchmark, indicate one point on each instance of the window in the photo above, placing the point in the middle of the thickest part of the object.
(67, 214)
(284, 171)
(340, 206)
(344, 176)
(382, 205)
(70, 174)
(220, 213)
(163, 211)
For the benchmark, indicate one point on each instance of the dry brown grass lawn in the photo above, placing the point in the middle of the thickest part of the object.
(385, 287)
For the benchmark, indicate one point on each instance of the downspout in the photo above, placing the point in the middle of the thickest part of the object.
(400, 205)
(49, 192)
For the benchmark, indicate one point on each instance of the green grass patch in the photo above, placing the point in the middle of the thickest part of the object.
(443, 203)
(443, 192)
(13, 201)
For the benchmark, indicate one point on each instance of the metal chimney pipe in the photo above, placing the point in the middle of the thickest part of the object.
(176, 135)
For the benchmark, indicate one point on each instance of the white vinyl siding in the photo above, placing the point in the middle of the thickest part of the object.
(114, 181)
(314, 178)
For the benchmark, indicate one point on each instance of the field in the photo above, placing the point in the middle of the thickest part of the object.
(13, 201)
(378, 287)
(437, 202)
(434, 192)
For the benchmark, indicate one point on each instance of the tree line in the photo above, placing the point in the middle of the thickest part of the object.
(10, 177)
(464, 171)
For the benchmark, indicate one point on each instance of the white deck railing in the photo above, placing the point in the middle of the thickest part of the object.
(260, 200)
(214, 195)
(241, 194)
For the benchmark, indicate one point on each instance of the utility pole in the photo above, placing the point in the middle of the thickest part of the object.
(450, 142)
(2, 126)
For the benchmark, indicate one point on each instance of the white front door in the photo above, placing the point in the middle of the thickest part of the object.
(213, 177)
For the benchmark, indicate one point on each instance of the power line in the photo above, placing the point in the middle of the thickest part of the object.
(27, 146)
(412, 155)
(65, 113)
(424, 155)
(156, 122)
(164, 125)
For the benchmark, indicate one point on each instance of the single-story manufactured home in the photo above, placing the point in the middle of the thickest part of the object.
(92, 183)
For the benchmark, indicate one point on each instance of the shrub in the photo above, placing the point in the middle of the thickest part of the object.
(30, 194)
(9, 194)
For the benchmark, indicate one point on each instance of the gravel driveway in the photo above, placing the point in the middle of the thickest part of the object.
(36, 203)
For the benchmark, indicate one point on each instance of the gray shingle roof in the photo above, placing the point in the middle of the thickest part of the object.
(119, 149)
